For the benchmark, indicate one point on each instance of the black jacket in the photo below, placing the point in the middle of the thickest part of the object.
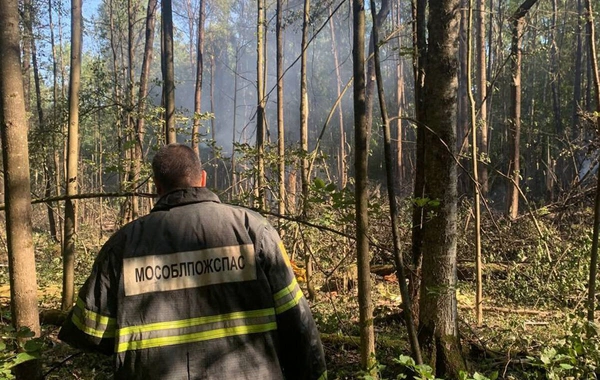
(197, 290)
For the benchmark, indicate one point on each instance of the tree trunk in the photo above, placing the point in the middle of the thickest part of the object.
(596, 75)
(341, 157)
(279, 31)
(234, 184)
(394, 213)
(261, 102)
(212, 123)
(304, 142)
(199, 77)
(514, 167)
(168, 71)
(133, 151)
(361, 137)
(68, 296)
(418, 217)
(577, 106)
(438, 326)
(140, 128)
(15, 152)
(474, 157)
(482, 125)
(54, 161)
(370, 89)
(26, 64)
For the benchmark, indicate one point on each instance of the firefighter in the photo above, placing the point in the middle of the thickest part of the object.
(196, 290)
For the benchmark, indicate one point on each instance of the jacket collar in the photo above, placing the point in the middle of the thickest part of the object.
(182, 197)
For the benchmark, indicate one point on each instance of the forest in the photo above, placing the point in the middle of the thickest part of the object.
(431, 167)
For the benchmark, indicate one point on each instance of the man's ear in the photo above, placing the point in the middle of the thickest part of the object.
(203, 179)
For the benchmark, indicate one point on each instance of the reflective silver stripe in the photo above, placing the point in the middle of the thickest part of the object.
(195, 329)
(288, 297)
(92, 323)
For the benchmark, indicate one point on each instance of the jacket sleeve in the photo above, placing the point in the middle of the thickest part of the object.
(91, 323)
(300, 352)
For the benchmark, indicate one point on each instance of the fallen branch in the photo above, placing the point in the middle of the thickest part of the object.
(86, 196)
(507, 310)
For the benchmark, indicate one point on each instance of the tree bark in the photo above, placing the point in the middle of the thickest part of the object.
(482, 125)
(140, 127)
(594, 254)
(199, 77)
(361, 137)
(279, 31)
(394, 212)
(477, 185)
(168, 71)
(341, 157)
(261, 102)
(438, 326)
(68, 296)
(419, 61)
(304, 142)
(514, 123)
(17, 188)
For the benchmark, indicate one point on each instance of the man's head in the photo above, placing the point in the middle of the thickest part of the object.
(176, 166)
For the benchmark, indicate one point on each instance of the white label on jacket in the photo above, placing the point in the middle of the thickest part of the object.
(192, 269)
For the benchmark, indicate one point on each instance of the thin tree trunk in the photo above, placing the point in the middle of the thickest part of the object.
(199, 78)
(234, 184)
(361, 137)
(169, 71)
(482, 125)
(261, 102)
(474, 155)
(304, 142)
(399, 167)
(394, 213)
(594, 254)
(15, 152)
(342, 171)
(280, 103)
(130, 106)
(140, 128)
(418, 217)
(68, 296)
(514, 168)
(212, 123)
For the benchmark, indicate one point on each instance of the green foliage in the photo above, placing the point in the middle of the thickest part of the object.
(576, 355)
(16, 347)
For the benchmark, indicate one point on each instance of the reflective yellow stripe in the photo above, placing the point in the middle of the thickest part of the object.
(103, 327)
(94, 317)
(290, 304)
(108, 332)
(323, 376)
(196, 337)
(194, 321)
(285, 291)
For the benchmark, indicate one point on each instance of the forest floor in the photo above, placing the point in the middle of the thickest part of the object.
(534, 299)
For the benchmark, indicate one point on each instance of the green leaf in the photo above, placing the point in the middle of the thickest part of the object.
(330, 187)
(33, 345)
(23, 357)
(566, 366)
(319, 183)
(25, 332)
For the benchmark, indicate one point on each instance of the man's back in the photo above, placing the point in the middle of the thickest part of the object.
(197, 290)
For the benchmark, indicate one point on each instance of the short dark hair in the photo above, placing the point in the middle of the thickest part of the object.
(176, 166)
